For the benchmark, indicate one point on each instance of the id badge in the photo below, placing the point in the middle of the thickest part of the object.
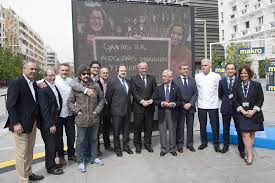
(245, 104)
(230, 96)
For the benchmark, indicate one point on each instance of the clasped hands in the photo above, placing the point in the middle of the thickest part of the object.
(168, 104)
(146, 103)
(248, 113)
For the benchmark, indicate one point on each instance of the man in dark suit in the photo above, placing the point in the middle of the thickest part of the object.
(118, 97)
(189, 93)
(50, 103)
(226, 87)
(105, 124)
(23, 118)
(168, 98)
(143, 86)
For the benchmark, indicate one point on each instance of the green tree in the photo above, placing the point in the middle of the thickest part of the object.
(262, 65)
(10, 64)
(232, 55)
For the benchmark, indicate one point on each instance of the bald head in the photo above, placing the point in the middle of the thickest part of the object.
(104, 73)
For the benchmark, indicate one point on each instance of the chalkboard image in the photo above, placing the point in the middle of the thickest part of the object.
(128, 33)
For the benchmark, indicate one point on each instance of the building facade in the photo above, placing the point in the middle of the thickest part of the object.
(18, 36)
(51, 58)
(251, 20)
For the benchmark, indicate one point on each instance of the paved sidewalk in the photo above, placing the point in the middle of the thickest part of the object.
(204, 166)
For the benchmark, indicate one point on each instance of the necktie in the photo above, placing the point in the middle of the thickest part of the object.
(167, 93)
(230, 85)
(124, 86)
(185, 82)
(144, 82)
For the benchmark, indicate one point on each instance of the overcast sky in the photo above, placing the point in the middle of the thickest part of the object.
(51, 19)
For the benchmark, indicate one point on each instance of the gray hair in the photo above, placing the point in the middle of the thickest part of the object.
(28, 62)
(206, 60)
(48, 69)
(167, 72)
(141, 63)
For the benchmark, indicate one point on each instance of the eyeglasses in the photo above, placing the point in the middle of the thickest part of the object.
(85, 73)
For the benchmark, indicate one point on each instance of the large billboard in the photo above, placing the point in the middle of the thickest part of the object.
(128, 33)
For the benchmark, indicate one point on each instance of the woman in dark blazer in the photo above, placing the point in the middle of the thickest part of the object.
(248, 100)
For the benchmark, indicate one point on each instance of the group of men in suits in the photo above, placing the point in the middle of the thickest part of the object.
(175, 98)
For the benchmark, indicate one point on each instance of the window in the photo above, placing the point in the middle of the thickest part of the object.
(234, 8)
(235, 28)
(246, 24)
(232, 16)
(260, 20)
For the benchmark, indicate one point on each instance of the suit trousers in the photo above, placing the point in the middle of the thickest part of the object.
(145, 121)
(188, 118)
(105, 128)
(226, 119)
(50, 148)
(69, 125)
(167, 122)
(24, 144)
(214, 122)
(121, 124)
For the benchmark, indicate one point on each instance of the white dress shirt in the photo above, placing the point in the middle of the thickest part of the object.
(30, 83)
(64, 88)
(52, 86)
(208, 90)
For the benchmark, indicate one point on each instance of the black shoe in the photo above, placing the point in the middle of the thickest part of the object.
(162, 153)
(109, 148)
(149, 149)
(99, 153)
(242, 155)
(128, 150)
(224, 149)
(34, 177)
(202, 146)
(180, 150)
(118, 153)
(138, 150)
(58, 166)
(57, 171)
(217, 148)
(191, 148)
(174, 153)
(72, 158)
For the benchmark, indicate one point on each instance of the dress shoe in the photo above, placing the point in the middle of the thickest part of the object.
(58, 166)
(62, 161)
(191, 148)
(162, 153)
(34, 177)
(138, 150)
(128, 150)
(224, 150)
(217, 148)
(109, 148)
(180, 150)
(249, 162)
(118, 153)
(149, 149)
(99, 152)
(72, 158)
(242, 155)
(202, 146)
(174, 153)
(57, 171)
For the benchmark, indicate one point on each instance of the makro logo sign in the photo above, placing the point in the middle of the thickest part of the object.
(250, 51)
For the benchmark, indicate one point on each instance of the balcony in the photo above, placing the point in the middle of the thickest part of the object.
(258, 28)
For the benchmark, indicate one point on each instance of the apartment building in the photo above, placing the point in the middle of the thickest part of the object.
(18, 36)
(51, 58)
(251, 22)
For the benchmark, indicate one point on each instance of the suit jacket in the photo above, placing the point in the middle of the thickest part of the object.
(118, 101)
(227, 104)
(175, 96)
(189, 96)
(141, 93)
(255, 97)
(49, 111)
(21, 106)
